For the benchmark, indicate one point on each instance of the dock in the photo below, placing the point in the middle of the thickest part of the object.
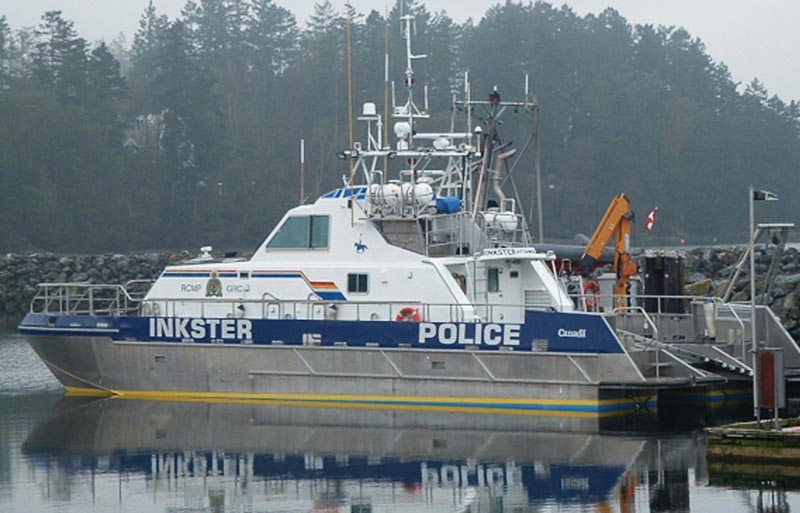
(753, 442)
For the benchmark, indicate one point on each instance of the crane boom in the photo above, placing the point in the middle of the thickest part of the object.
(617, 223)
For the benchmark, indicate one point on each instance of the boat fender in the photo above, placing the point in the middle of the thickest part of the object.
(591, 289)
(408, 314)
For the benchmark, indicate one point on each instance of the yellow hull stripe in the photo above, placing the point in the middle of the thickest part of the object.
(584, 408)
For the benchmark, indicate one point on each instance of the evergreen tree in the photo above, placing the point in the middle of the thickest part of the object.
(5, 53)
(60, 59)
(144, 53)
(273, 38)
(182, 90)
(106, 87)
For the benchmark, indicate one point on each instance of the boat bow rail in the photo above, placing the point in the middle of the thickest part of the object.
(90, 298)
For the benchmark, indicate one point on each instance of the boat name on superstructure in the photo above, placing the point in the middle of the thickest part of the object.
(509, 251)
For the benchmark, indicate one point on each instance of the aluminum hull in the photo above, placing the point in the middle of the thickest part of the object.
(563, 386)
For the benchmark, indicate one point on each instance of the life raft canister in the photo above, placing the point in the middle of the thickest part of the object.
(408, 314)
(591, 289)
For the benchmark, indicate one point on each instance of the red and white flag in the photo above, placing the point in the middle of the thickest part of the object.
(651, 219)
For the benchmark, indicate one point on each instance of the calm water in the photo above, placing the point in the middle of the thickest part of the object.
(68, 455)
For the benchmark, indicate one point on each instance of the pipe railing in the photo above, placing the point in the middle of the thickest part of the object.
(88, 298)
(654, 340)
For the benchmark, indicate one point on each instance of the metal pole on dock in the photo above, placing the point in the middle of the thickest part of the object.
(753, 341)
(755, 195)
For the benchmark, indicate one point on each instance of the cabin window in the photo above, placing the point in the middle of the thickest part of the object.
(301, 232)
(358, 283)
(493, 284)
(319, 232)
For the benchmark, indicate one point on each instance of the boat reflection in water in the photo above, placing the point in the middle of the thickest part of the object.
(187, 457)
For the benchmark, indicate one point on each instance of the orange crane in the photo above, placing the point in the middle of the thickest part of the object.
(617, 223)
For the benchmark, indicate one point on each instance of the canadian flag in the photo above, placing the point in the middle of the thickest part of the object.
(651, 219)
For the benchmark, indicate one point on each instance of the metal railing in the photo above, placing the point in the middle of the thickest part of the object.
(654, 340)
(89, 298)
(719, 311)
(269, 307)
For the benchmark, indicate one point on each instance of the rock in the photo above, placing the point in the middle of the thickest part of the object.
(720, 288)
(789, 281)
(696, 277)
(79, 278)
(741, 296)
(699, 288)
(790, 302)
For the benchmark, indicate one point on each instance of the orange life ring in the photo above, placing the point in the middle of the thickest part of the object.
(591, 289)
(408, 314)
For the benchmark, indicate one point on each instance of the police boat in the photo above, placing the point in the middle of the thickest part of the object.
(415, 285)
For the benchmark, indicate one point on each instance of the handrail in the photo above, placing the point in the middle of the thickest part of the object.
(85, 299)
(738, 319)
(655, 337)
(107, 299)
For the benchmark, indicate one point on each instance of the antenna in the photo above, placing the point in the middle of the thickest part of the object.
(302, 170)
(385, 141)
(350, 109)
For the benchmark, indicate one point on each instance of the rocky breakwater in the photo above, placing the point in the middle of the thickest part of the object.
(20, 274)
(709, 272)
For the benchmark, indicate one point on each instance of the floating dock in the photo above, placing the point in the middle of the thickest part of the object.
(751, 442)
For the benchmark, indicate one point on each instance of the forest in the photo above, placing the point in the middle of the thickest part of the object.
(189, 135)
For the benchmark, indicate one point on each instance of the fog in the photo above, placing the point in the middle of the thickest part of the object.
(755, 39)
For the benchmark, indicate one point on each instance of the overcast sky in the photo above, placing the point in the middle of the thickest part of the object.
(754, 38)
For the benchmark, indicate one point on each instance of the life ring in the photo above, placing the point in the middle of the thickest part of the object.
(408, 314)
(591, 289)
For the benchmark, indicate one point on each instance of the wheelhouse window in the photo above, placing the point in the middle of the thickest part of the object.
(358, 283)
(301, 232)
(493, 284)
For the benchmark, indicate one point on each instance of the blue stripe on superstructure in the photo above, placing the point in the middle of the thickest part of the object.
(330, 295)
(276, 275)
(196, 274)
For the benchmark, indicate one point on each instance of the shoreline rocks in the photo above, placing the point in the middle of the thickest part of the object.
(713, 269)
(20, 274)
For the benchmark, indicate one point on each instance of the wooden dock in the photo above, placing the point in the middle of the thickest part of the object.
(747, 442)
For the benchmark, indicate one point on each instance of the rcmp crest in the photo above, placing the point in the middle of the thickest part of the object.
(214, 286)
